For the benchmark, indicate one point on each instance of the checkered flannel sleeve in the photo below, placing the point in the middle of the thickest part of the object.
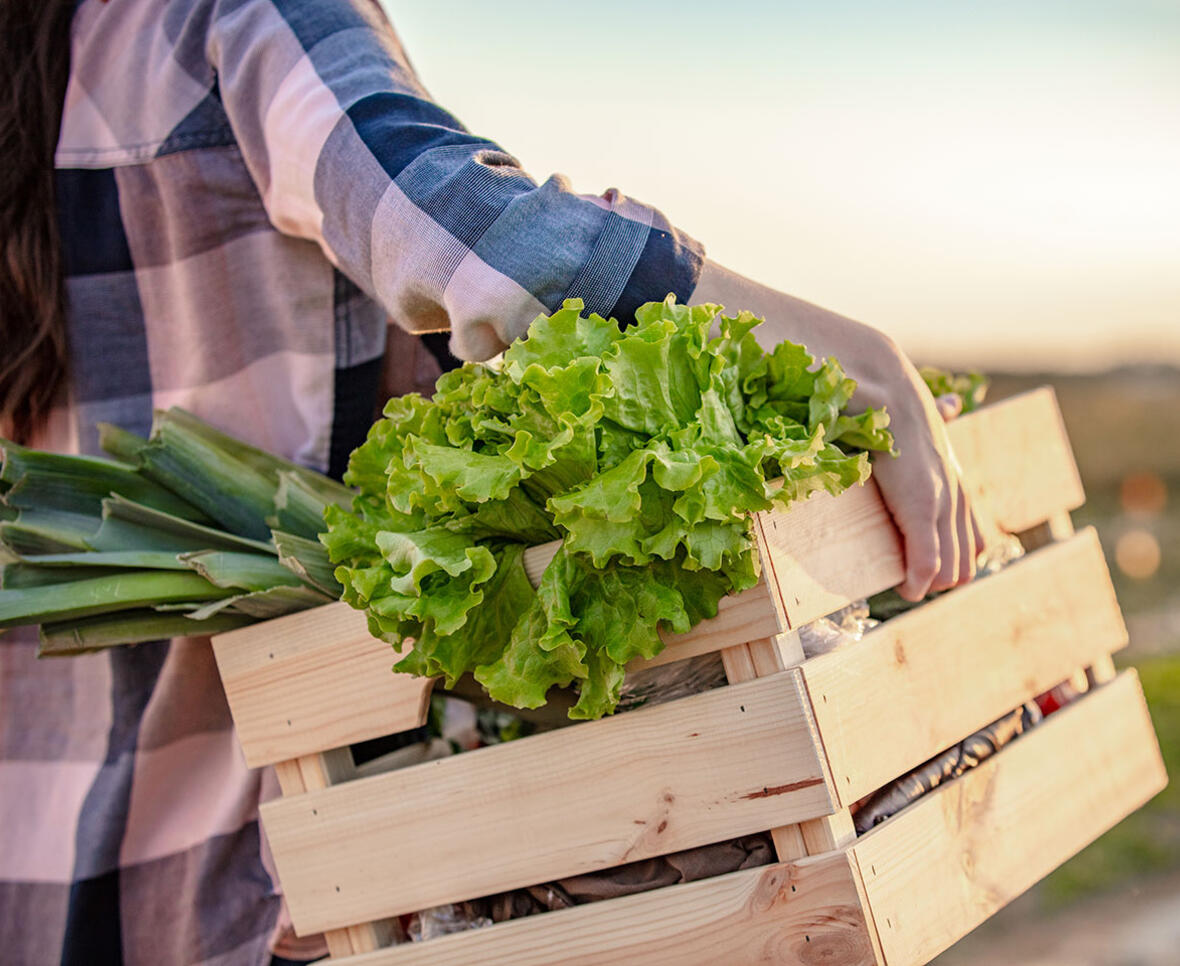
(443, 227)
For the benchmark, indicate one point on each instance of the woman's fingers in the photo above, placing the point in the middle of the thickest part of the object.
(948, 537)
(968, 542)
(941, 537)
(949, 405)
(922, 563)
(923, 549)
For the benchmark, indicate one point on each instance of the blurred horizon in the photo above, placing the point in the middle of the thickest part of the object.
(995, 187)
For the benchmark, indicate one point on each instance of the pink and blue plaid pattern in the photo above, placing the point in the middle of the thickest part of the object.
(248, 191)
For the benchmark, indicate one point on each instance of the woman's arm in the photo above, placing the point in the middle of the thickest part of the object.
(921, 485)
(447, 232)
(440, 226)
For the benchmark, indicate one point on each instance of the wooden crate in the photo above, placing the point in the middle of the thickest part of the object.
(787, 746)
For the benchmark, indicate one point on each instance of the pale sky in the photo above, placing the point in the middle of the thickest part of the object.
(994, 184)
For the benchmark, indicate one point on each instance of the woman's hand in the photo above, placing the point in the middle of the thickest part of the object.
(920, 486)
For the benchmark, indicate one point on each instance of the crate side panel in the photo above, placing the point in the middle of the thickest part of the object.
(804, 912)
(314, 681)
(1017, 466)
(829, 550)
(698, 770)
(1017, 459)
(941, 867)
(882, 704)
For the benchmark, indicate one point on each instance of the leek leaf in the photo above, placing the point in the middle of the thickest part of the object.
(234, 494)
(263, 604)
(120, 443)
(102, 595)
(308, 559)
(90, 634)
(22, 574)
(79, 484)
(267, 464)
(241, 571)
(48, 531)
(130, 526)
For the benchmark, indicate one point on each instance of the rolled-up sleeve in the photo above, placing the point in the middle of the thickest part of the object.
(442, 227)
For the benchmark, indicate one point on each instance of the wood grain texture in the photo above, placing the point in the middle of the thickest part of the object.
(882, 704)
(311, 773)
(317, 680)
(804, 912)
(313, 681)
(702, 769)
(1060, 527)
(1025, 489)
(830, 550)
(939, 868)
(815, 836)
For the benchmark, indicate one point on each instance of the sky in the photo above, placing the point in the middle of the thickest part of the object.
(994, 184)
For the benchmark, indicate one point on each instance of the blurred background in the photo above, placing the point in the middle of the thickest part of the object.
(994, 185)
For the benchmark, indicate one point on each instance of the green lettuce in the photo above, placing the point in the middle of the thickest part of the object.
(970, 387)
(644, 450)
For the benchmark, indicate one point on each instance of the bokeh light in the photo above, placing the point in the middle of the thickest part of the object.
(1143, 494)
(1137, 553)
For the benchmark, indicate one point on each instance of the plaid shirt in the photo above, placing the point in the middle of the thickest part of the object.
(247, 190)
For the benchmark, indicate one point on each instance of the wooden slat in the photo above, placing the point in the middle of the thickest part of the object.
(882, 704)
(829, 550)
(1060, 527)
(314, 681)
(760, 659)
(818, 835)
(311, 773)
(702, 769)
(1017, 460)
(816, 557)
(799, 912)
(832, 550)
(936, 870)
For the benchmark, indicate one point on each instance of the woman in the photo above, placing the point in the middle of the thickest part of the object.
(244, 191)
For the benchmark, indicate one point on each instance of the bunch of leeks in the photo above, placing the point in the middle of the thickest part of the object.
(188, 532)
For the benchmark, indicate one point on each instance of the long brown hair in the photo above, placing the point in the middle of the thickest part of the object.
(34, 69)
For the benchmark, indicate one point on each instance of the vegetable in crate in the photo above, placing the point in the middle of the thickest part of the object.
(190, 532)
(970, 387)
(643, 450)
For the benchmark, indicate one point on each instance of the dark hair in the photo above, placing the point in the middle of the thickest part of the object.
(34, 70)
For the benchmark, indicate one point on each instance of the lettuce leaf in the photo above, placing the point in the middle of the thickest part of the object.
(644, 450)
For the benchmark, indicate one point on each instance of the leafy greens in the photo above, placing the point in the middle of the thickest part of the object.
(644, 450)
